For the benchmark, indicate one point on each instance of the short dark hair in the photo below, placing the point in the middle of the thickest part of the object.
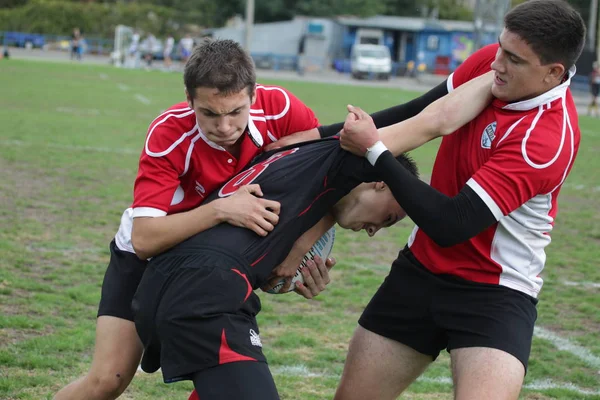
(407, 162)
(220, 64)
(553, 29)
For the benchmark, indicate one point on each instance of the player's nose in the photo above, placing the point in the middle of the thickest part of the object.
(223, 125)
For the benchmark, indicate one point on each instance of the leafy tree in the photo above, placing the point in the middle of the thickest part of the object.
(12, 3)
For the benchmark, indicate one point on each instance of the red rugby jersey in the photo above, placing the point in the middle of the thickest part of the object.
(515, 157)
(180, 166)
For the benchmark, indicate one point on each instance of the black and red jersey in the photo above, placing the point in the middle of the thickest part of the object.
(307, 180)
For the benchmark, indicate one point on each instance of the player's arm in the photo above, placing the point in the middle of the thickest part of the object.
(507, 180)
(318, 271)
(447, 220)
(382, 118)
(395, 114)
(442, 117)
(153, 235)
(477, 64)
(316, 275)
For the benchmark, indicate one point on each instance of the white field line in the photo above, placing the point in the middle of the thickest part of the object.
(142, 99)
(539, 384)
(543, 384)
(593, 285)
(300, 370)
(123, 87)
(70, 147)
(565, 345)
(104, 77)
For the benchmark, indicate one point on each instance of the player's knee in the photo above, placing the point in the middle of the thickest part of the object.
(107, 386)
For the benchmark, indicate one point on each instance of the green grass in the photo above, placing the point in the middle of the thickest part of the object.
(69, 144)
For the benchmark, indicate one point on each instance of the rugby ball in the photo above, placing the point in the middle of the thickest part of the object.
(321, 248)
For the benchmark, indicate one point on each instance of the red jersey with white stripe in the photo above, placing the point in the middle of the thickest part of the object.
(515, 157)
(179, 166)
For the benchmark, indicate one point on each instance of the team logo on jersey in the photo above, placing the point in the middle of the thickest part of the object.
(254, 338)
(489, 133)
(200, 189)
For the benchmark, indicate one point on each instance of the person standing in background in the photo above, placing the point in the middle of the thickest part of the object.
(76, 44)
(187, 44)
(169, 45)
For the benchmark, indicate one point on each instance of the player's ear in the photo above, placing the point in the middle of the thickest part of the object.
(189, 99)
(556, 72)
(253, 95)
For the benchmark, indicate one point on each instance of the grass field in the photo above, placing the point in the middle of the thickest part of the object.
(69, 144)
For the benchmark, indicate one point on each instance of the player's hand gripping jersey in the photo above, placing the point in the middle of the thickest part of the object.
(515, 157)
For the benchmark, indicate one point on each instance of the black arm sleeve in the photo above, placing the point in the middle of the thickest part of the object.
(393, 115)
(446, 220)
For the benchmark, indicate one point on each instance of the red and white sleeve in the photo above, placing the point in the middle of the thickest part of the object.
(161, 164)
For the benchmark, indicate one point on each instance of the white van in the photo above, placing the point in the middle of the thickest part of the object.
(370, 60)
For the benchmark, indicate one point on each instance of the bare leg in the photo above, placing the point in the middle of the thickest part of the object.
(116, 357)
(485, 373)
(378, 367)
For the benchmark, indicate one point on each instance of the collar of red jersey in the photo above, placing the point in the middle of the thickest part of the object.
(252, 131)
(544, 98)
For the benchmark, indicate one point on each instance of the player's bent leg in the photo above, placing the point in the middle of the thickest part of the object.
(117, 354)
(244, 380)
(378, 368)
(486, 373)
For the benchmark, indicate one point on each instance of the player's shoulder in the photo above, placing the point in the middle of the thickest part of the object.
(271, 100)
(545, 136)
(170, 129)
(475, 65)
(174, 117)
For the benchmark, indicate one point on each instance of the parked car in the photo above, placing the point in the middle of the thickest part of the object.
(370, 60)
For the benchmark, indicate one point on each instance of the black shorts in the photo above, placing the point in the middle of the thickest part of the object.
(429, 312)
(236, 381)
(194, 312)
(121, 280)
(595, 89)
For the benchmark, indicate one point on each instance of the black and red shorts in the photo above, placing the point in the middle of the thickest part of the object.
(194, 312)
